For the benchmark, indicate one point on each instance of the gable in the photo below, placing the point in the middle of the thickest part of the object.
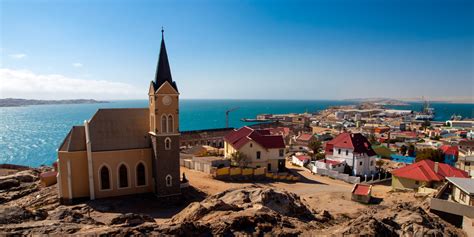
(166, 88)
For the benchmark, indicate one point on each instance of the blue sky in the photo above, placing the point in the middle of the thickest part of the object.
(239, 49)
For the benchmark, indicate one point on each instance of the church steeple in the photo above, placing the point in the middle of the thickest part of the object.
(163, 71)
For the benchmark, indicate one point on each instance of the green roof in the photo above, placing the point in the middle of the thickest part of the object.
(383, 151)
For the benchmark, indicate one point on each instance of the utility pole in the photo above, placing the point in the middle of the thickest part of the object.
(227, 115)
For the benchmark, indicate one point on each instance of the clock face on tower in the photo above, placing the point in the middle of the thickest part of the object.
(166, 100)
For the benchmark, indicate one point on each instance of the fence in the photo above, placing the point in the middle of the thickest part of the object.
(238, 174)
(339, 176)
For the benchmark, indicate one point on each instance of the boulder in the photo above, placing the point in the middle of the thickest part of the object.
(252, 210)
(6, 184)
(26, 176)
(15, 214)
(131, 219)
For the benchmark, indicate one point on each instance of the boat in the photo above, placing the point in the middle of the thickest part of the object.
(427, 113)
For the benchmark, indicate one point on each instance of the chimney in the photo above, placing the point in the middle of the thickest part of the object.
(436, 167)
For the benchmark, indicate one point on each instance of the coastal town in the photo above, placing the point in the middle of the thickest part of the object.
(347, 170)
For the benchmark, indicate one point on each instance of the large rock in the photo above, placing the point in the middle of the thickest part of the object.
(15, 214)
(402, 219)
(6, 184)
(131, 219)
(251, 210)
(25, 176)
(72, 215)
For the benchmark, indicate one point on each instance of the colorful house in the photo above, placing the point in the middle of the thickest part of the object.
(355, 150)
(361, 193)
(260, 147)
(402, 159)
(424, 173)
(450, 154)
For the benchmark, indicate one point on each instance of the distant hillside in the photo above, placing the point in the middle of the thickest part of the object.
(380, 101)
(14, 102)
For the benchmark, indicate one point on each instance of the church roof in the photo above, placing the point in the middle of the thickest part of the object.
(75, 140)
(120, 129)
(163, 70)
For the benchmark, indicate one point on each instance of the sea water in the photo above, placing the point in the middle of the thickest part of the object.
(31, 135)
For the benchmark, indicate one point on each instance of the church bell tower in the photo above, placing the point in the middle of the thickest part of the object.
(164, 127)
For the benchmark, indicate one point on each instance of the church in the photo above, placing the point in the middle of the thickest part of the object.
(127, 150)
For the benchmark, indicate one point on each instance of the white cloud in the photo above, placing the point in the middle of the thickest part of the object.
(77, 65)
(28, 85)
(17, 55)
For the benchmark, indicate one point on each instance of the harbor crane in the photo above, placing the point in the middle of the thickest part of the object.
(227, 115)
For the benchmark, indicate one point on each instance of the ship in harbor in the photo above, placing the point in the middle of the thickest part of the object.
(427, 113)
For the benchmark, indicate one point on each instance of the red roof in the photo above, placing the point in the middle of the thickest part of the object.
(354, 141)
(332, 162)
(303, 158)
(239, 138)
(304, 137)
(449, 150)
(425, 171)
(362, 189)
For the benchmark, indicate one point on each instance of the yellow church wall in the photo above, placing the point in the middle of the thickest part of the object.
(79, 183)
(113, 159)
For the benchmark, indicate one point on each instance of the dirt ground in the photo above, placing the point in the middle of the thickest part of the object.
(321, 193)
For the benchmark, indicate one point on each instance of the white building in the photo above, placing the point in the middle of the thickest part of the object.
(328, 164)
(355, 150)
(300, 160)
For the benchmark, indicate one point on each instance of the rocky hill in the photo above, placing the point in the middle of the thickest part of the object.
(28, 208)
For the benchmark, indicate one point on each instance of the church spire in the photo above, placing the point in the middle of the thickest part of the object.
(163, 71)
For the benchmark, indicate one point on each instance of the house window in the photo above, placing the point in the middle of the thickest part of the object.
(163, 123)
(258, 155)
(169, 181)
(123, 176)
(167, 143)
(281, 151)
(462, 196)
(360, 163)
(339, 151)
(269, 167)
(371, 163)
(347, 152)
(141, 175)
(251, 145)
(170, 124)
(104, 178)
(417, 182)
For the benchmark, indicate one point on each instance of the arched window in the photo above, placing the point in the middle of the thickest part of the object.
(104, 178)
(167, 143)
(163, 124)
(141, 175)
(169, 181)
(170, 124)
(123, 176)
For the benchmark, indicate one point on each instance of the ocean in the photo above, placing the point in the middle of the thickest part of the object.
(30, 135)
